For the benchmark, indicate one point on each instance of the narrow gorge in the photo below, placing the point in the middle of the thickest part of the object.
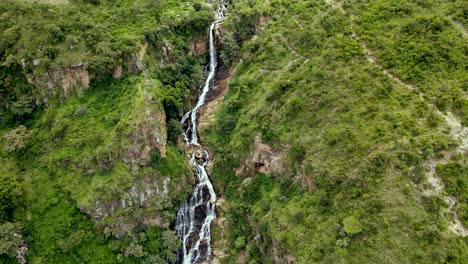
(193, 224)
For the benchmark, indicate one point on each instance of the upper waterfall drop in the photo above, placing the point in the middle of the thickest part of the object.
(193, 223)
(190, 135)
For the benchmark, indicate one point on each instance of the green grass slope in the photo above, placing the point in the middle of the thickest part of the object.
(349, 93)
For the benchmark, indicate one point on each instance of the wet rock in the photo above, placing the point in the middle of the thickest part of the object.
(193, 238)
(199, 154)
(200, 215)
(206, 194)
(203, 247)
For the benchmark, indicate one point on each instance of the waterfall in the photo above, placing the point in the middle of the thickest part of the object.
(190, 135)
(193, 223)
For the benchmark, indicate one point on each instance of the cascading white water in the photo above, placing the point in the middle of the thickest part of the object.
(193, 223)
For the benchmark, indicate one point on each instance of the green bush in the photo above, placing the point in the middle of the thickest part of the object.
(351, 225)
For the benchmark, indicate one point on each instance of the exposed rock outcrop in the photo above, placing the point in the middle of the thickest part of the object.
(21, 252)
(116, 204)
(278, 256)
(61, 81)
(263, 159)
(220, 241)
(197, 47)
(142, 194)
(134, 63)
(215, 97)
(117, 72)
(261, 23)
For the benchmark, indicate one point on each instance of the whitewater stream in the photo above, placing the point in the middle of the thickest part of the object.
(193, 223)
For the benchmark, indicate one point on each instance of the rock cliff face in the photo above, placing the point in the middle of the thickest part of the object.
(143, 194)
(116, 209)
(61, 81)
(64, 81)
(144, 137)
(134, 63)
(137, 193)
(197, 47)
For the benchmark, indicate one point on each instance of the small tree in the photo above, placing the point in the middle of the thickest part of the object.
(22, 106)
(240, 242)
(174, 130)
(197, 6)
(171, 243)
(11, 195)
(229, 48)
(134, 250)
(10, 239)
(16, 139)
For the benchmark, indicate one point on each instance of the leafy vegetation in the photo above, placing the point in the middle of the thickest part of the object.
(348, 94)
(70, 165)
(419, 42)
(72, 161)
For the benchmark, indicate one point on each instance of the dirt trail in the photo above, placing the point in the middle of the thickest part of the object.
(457, 130)
(291, 62)
(336, 4)
(285, 67)
(285, 41)
(460, 27)
(372, 59)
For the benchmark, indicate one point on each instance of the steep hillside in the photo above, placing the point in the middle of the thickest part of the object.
(91, 94)
(342, 123)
